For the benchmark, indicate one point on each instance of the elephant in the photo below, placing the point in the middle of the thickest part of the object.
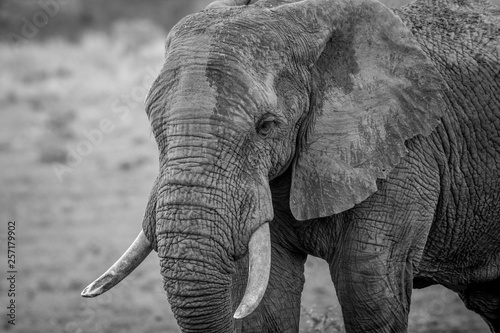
(342, 129)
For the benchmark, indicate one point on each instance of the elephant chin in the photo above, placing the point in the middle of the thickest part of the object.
(133, 257)
(259, 253)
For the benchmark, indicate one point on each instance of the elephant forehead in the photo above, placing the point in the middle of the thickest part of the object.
(245, 33)
(206, 75)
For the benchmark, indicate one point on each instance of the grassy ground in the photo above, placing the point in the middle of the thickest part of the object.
(77, 213)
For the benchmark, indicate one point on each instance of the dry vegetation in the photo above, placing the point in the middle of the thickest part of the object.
(76, 215)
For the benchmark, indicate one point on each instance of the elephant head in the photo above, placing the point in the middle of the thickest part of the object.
(327, 90)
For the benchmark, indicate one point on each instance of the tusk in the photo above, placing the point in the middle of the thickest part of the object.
(135, 254)
(259, 252)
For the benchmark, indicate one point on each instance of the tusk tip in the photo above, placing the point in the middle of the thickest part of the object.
(245, 309)
(91, 291)
(88, 293)
(98, 287)
(241, 312)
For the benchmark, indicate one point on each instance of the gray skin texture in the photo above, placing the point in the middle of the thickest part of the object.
(366, 137)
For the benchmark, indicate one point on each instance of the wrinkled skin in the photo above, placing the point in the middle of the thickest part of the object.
(368, 138)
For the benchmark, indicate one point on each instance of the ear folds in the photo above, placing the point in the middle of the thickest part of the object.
(373, 89)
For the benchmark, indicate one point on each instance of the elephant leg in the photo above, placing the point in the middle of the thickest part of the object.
(374, 293)
(279, 310)
(380, 246)
(484, 299)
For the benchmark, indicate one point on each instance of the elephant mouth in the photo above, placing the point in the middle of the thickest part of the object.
(259, 252)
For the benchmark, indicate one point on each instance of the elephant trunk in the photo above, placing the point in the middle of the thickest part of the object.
(201, 231)
(197, 284)
(200, 293)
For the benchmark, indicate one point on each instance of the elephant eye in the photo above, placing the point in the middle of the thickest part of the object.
(266, 125)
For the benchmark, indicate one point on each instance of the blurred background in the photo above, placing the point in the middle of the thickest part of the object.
(77, 162)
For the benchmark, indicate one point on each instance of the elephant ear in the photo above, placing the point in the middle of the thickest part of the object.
(373, 88)
(227, 3)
